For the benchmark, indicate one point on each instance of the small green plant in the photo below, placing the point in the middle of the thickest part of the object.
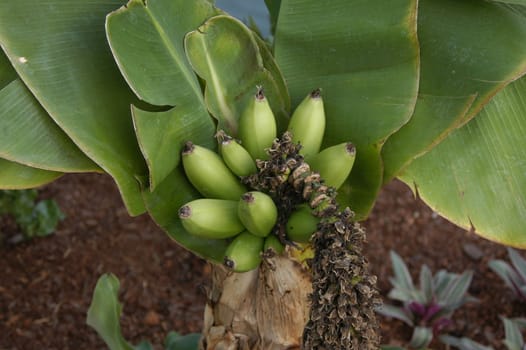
(514, 275)
(463, 343)
(513, 337)
(35, 219)
(429, 307)
(104, 316)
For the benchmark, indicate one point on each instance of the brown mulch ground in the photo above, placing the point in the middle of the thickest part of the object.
(46, 284)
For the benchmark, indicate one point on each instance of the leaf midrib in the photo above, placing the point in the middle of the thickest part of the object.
(189, 76)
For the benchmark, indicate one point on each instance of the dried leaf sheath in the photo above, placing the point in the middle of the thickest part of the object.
(261, 309)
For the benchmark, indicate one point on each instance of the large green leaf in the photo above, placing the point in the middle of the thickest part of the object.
(273, 7)
(365, 58)
(477, 176)
(147, 41)
(469, 50)
(163, 205)
(15, 176)
(29, 136)
(225, 53)
(161, 136)
(7, 73)
(271, 65)
(517, 2)
(60, 52)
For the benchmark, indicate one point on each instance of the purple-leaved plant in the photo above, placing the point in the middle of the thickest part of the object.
(513, 340)
(429, 307)
(514, 275)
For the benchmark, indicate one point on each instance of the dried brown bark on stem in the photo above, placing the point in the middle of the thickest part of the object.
(261, 309)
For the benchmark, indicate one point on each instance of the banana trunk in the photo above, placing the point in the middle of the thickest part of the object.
(269, 309)
(263, 309)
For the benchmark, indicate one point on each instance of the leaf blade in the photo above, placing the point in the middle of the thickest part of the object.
(316, 46)
(29, 136)
(459, 73)
(56, 52)
(477, 166)
(161, 136)
(15, 176)
(147, 42)
(225, 53)
(163, 204)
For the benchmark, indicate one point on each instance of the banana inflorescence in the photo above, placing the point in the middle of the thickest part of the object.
(260, 194)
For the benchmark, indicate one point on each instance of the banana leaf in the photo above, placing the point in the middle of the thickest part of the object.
(469, 51)
(365, 60)
(163, 205)
(29, 136)
(476, 177)
(147, 42)
(15, 176)
(60, 53)
(7, 73)
(227, 56)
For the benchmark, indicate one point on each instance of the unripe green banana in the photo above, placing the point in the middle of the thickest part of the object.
(257, 126)
(244, 252)
(236, 157)
(272, 242)
(208, 173)
(211, 218)
(257, 212)
(334, 163)
(307, 124)
(301, 224)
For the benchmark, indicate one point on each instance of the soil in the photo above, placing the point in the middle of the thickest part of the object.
(46, 284)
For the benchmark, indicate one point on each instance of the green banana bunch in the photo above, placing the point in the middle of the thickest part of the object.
(272, 242)
(211, 218)
(302, 224)
(208, 173)
(258, 213)
(244, 252)
(334, 163)
(307, 124)
(247, 217)
(236, 157)
(257, 126)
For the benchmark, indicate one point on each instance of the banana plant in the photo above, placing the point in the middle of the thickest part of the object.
(430, 92)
